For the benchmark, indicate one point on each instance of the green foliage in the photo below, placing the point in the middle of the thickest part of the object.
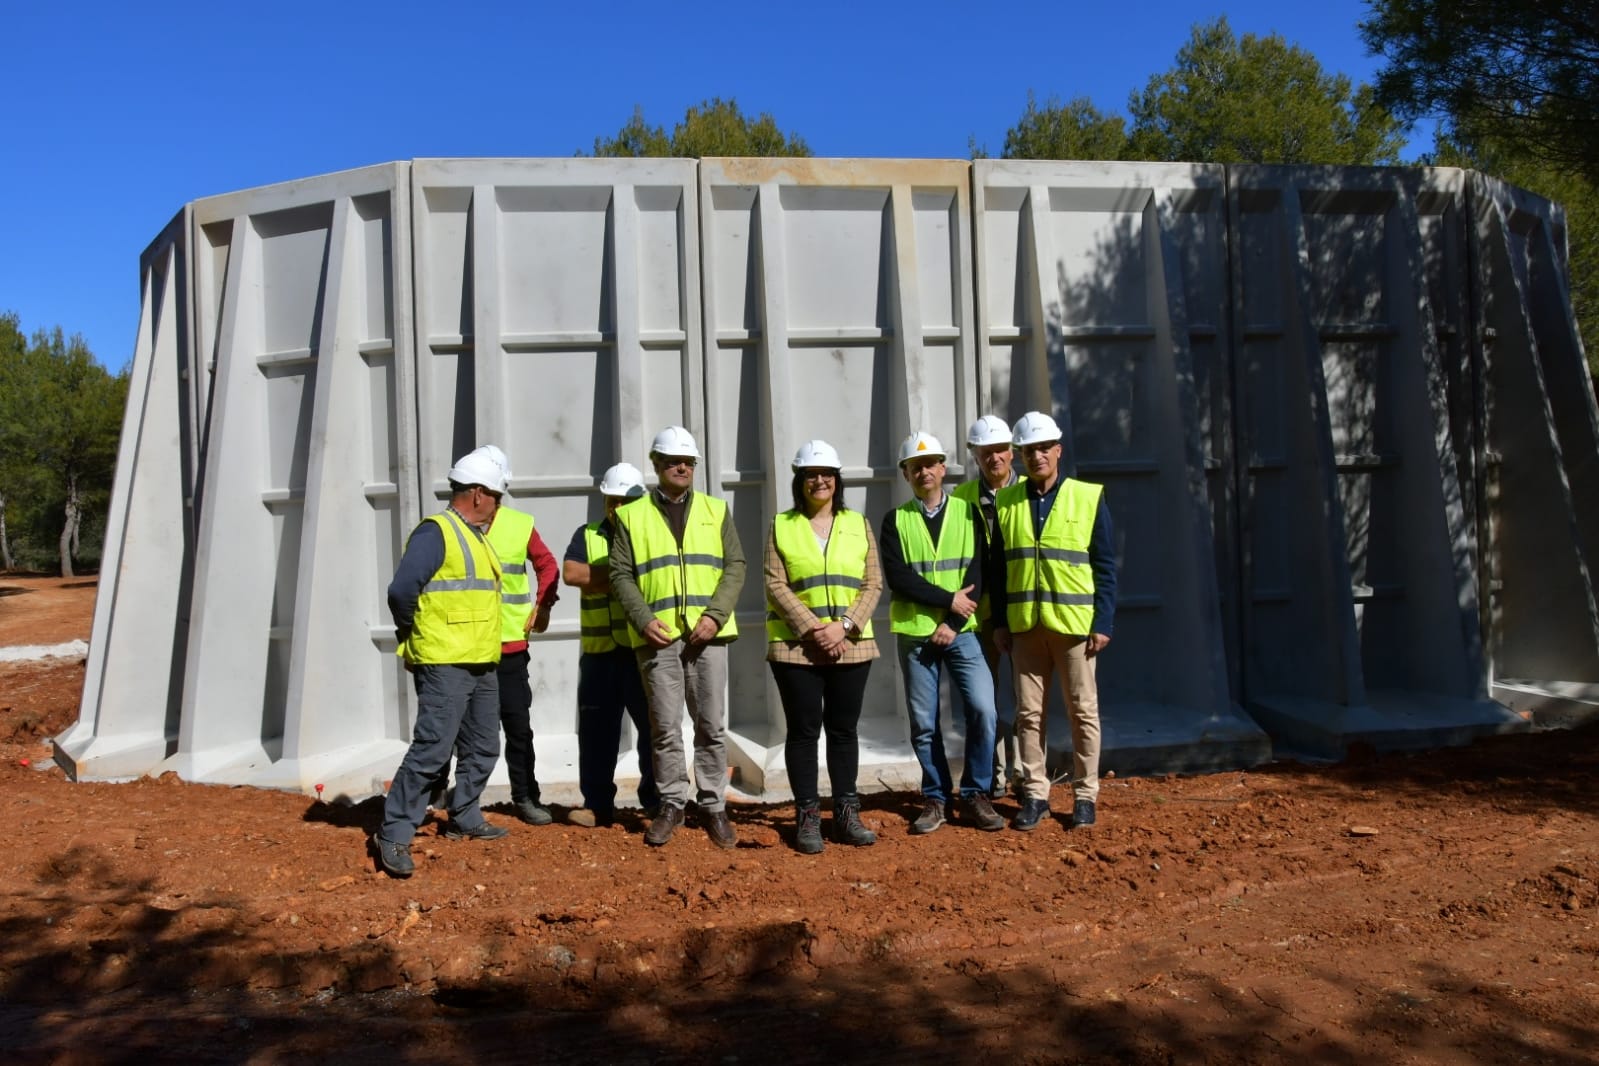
(60, 417)
(715, 127)
(1517, 72)
(1074, 130)
(1257, 100)
(1566, 186)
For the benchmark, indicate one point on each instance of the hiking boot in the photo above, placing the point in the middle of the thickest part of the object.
(977, 810)
(483, 831)
(720, 830)
(1030, 815)
(931, 818)
(1082, 813)
(847, 825)
(395, 859)
(532, 812)
(664, 825)
(808, 837)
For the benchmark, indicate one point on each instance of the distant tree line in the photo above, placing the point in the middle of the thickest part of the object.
(60, 417)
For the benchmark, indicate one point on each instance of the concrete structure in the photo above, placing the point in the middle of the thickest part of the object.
(1342, 416)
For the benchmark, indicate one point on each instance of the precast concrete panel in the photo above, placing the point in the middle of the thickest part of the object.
(835, 308)
(558, 314)
(1361, 615)
(1542, 461)
(1103, 302)
(128, 716)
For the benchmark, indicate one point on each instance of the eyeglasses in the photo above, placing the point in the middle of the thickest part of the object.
(818, 475)
(677, 460)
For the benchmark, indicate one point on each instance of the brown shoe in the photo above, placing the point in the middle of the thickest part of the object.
(720, 830)
(665, 824)
(981, 813)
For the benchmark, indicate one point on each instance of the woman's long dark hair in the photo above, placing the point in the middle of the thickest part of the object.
(797, 487)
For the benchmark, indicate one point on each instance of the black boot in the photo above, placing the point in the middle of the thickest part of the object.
(808, 840)
(847, 826)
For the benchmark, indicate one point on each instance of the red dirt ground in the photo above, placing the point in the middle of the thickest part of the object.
(1422, 908)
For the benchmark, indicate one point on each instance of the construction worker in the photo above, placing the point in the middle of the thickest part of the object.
(1056, 540)
(517, 543)
(677, 566)
(933, 549)
(445, 600)
(822, 585)
(988, 442)
(608, 683)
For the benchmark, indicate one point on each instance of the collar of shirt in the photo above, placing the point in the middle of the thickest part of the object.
(943, 498)
(662, 497)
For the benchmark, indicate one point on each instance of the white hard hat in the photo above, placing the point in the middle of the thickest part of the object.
(990, 429)
(919, 444)
(1035, 427)
(675, 440)
(498, 456)
(623, 479)
(479, 468)
(816, 453)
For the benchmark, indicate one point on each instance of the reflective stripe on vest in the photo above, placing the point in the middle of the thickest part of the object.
(827, 584)
(457, 616)
(677, 583)
(1048, 577)
(943, 564)
(603, 622)
(508, 536)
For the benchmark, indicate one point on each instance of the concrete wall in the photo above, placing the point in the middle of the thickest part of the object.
(1342, 417)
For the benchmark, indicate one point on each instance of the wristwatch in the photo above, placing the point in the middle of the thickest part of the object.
(849, 626)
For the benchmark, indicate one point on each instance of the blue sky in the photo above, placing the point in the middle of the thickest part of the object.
(114, 115)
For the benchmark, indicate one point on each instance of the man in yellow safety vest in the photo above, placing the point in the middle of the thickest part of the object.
(445, 600)
(1059, 554)
(677, 567)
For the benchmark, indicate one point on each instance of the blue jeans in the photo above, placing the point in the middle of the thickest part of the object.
(922, 664)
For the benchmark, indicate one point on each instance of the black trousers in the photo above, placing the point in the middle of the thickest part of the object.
(516, 705)
(818, 698)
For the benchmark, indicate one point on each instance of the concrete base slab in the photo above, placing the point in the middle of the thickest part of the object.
(1391, 720)
(1550, 704)
(1153, 738)
(86, 757)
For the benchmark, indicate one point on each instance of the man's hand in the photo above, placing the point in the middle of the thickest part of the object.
(943, 636)
(657, 633)
(1096, 644)
(539, 621)
(963, 604)
(704, 630)
(1002, 639)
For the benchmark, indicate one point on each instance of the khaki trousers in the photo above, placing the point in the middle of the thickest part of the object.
(1038, 654)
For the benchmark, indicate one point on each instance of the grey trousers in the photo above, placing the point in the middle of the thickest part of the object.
(458, 709)
(672, 676)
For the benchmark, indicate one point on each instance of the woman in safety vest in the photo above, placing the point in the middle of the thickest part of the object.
(822, 585)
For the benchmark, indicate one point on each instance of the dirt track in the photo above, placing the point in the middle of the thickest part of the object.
(1436, 908)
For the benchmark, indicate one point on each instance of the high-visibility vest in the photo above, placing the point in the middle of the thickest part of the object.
(971, 492)
(826, 583)
(508, 536)
(603, 622)
(457, 616)
(678, 582)
(943, 564)
(1048, 577)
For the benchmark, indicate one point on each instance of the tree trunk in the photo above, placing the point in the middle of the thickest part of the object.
(6, 562)
(69, 534)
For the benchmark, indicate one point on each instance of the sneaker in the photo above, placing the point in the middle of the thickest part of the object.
(720, 830)
(483, 831)
(531, 812)
(589, 819)
(977, 810)
(931, 818)
(1082, 813)
(808, 835)
(395, 859)
(664, 825)
(1030, 815)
